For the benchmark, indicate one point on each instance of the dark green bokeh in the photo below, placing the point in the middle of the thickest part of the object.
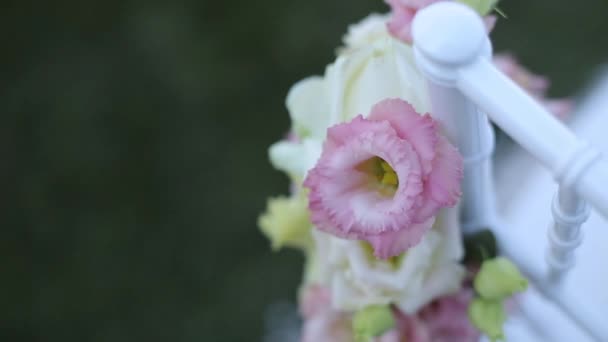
(133, 147)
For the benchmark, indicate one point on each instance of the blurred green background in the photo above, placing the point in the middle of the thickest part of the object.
(133, 144)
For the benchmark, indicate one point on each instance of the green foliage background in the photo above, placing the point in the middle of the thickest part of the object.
(133, 154)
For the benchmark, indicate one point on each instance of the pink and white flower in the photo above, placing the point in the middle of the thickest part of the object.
(357, 279)
(441, 321)
(383, 178)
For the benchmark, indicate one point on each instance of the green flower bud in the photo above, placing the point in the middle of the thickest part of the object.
(372, 321)
(488, 316)
(498, 279)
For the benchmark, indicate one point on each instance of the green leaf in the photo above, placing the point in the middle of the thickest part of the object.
(498, 279)
(483, 7)
(372, 321)
(479, 246)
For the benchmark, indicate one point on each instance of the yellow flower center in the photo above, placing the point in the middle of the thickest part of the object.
(393, 262)
(383, 177)
(387, 175)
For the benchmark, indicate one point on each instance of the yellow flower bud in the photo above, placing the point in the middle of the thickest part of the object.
(286, 222)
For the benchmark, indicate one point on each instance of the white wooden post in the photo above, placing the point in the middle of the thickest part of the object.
(451, 45)
(465, 127)
(451, 48)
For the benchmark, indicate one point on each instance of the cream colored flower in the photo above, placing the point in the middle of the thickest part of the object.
(371, 67)
(369, 30)
(425, 272)
(286, 222)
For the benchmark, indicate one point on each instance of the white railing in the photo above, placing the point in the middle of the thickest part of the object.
(453, 51)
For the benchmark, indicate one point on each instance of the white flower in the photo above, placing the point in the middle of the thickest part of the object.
(425, 272)
(371, 67)
(365, 32)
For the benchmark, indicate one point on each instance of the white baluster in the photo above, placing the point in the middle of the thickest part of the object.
(451, 48)
(569, 213)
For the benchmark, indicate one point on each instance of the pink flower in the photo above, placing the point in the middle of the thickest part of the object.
(535, 85)
(447, 319)
(321, 321)
(384, 178)
(411, 328)
(403, 12)
(314, 300)
(328, 326)
(444, 320)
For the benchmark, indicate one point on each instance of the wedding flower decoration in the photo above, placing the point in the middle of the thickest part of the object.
(371, 67)
(384, 178)
(357, 279)
(374, 193)
(444, 319)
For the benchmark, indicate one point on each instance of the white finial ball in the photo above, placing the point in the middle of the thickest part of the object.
(449, 33)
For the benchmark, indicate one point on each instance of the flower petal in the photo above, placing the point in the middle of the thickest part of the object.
(400, 23)
(329, 326)
(442, 186)
(393, 243)
(341, 201)
(420, 131)
(308, 107)
(314, 300)
(295, 158)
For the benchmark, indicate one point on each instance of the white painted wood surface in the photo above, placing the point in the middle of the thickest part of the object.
(451, 49)
(524, 191)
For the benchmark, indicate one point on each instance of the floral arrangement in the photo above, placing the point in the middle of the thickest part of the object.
(374, 198)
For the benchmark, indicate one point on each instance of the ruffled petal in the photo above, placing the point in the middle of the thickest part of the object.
(442, 187)
(419, 130)
(391, 244)
(338, 135)
(341, 200)
(351, 197)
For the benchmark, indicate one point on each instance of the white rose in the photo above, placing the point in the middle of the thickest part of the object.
(427, 271)
(371, 67)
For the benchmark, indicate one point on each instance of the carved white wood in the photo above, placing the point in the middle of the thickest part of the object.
(452, 50)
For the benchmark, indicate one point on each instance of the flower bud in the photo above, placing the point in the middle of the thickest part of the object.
(498, 279)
